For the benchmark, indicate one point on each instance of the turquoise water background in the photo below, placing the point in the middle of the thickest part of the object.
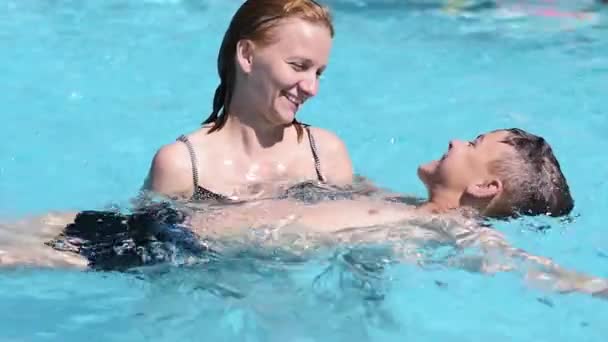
(90, 89)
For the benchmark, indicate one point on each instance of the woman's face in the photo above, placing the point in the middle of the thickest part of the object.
(280, 76)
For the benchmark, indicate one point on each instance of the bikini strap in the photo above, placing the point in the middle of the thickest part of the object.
(185, 140)
(311, 140)
(315, 153)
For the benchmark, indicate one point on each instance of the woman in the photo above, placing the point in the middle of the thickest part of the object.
(251, 146)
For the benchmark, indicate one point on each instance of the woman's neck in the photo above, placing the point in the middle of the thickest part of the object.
(252, 132)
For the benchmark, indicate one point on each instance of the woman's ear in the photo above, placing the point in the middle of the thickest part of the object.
(244, 54)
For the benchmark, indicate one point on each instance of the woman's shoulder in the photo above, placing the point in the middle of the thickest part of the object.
(177, 154)
(333, 155)
(327, 136)
(171, 171)
(328, 142)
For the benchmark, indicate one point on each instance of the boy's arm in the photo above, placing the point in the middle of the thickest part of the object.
(500, 256)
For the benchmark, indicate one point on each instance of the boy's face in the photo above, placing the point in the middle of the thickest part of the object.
(465, 163)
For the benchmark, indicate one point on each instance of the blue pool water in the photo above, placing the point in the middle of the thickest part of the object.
(89, 90)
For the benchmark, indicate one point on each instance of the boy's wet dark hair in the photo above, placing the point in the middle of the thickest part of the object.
(532, 177)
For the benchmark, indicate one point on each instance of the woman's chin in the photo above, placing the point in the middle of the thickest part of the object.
(284, 118)
(285, 114)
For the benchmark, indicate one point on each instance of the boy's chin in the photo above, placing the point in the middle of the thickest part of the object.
(426, 171)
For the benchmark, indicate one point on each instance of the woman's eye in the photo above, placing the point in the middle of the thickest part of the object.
(298, 66)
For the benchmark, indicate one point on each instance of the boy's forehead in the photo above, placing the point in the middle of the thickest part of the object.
(492, 137)
(495, 141)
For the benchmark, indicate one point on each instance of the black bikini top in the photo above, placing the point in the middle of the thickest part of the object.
(203, 194)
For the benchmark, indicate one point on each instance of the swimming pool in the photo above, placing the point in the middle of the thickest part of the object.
(91, 89)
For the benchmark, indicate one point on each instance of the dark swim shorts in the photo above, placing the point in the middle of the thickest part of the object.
(116, 241)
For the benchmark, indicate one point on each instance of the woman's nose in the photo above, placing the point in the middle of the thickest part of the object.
(310, 86)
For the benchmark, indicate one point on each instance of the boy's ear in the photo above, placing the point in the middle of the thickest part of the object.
(485, 189)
